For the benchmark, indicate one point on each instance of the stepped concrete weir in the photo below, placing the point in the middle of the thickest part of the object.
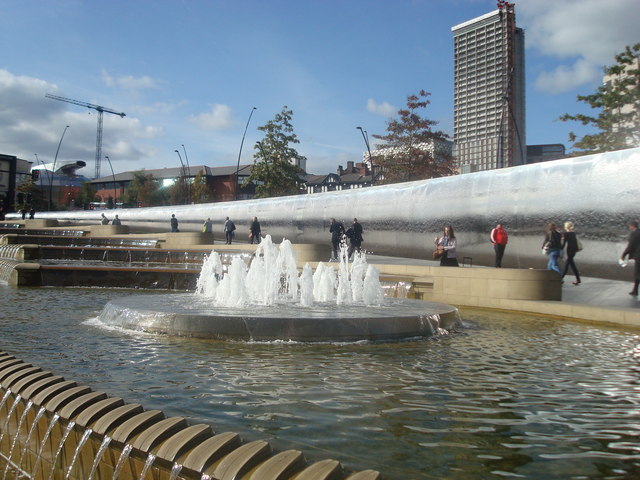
(54, 428)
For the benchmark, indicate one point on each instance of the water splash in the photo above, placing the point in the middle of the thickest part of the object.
(83, 440)
(66, 433)
(175, 471)
(96, 460)
(147, 465)
(124, 455)
(272, 279)
(45, 437)
(34, 424)
(17, 435)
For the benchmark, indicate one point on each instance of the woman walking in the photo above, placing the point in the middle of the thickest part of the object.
(448, 243)
(570, 240)
(552, 246)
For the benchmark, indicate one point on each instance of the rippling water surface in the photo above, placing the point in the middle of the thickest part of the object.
(508, 396)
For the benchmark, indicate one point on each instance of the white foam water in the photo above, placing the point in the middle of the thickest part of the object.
(272, 278)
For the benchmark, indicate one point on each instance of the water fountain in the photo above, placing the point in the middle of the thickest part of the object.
(268, 301)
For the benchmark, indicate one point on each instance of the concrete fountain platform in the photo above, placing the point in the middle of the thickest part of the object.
(192, 316)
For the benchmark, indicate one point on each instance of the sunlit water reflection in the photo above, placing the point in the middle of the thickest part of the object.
(508, 396)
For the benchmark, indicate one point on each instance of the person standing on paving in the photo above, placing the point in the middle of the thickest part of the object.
(633, 251)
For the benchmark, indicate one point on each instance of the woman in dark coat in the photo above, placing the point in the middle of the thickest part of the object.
(570, 240)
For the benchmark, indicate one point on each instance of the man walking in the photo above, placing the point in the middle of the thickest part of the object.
(336, 229)
(229, 228)
(499, 239)
(633, 251)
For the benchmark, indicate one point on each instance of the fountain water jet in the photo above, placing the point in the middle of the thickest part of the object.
(267, 300)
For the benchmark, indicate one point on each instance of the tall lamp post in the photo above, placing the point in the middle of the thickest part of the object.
(115, 195)
(183, 171)
(53, 169)
(235, 192)
(46, 171)
(365, 136)
(188, 174)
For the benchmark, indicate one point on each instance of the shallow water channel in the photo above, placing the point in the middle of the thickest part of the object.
(507, 396)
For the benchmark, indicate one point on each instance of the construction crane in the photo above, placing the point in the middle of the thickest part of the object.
(100, 110)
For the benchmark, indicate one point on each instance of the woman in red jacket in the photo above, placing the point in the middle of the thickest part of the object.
(499, 238)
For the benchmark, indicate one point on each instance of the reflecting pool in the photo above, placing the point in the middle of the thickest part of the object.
(507, 396)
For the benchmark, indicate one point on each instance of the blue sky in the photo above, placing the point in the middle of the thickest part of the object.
(189, 72)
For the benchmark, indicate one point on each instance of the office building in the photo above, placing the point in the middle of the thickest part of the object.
(489, 92)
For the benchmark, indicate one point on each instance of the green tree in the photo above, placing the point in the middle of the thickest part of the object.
(276, 172)
(618, 103)
(200, 190)
(86, 196)
(412, 149)
(146, 189)
(29, 195)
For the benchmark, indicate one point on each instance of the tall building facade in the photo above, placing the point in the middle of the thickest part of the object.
(489, 92)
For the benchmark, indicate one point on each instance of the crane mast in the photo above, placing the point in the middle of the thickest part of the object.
(101, 110)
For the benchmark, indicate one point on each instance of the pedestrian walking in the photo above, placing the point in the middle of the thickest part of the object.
(354, 234)
(499, 239)
(447, 243)
(254, 231)
(116, 221)
(174, 223)
(207, 226)
(229, 228)
(104, 220)
(633, 252)
(336, 229)
(552, 246)
(570, 241)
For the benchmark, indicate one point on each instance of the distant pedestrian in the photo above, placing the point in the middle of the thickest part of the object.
(174, 223)
(32, 213)
(104, 220)
(254, 231)
(116, 221)
(229, 228)
(499, 239)
(448, 244)
(207, 226)
(552, 246)
(336, 229)
(633, 251)
(354, 234)
(570, 240)
(24, 213)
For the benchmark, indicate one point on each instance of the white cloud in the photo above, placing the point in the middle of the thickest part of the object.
(565, 78)
(218, 118)
(584, 33)
(128, 82)
(385, 109)
(31, 123)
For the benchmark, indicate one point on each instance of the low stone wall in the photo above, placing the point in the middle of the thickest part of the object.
(53, 428)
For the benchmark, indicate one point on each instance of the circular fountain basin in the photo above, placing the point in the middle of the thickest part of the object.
(193, 316)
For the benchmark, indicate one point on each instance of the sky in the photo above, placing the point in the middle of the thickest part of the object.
(187, 73)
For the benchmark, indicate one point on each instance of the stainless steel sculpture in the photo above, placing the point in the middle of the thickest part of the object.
(598, 193)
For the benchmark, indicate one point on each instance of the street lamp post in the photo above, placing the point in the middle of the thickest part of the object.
(188, 174)
(115, 195)
(48, 175)
(235, 192)
(53, 169)
(365, 136)
(183, 171)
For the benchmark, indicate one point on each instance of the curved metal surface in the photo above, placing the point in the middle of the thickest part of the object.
(598, 193)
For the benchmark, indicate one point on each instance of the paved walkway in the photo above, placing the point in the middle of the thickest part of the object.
(599, 292)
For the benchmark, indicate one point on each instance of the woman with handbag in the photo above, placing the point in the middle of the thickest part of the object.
(447, 245)
(570, 240)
